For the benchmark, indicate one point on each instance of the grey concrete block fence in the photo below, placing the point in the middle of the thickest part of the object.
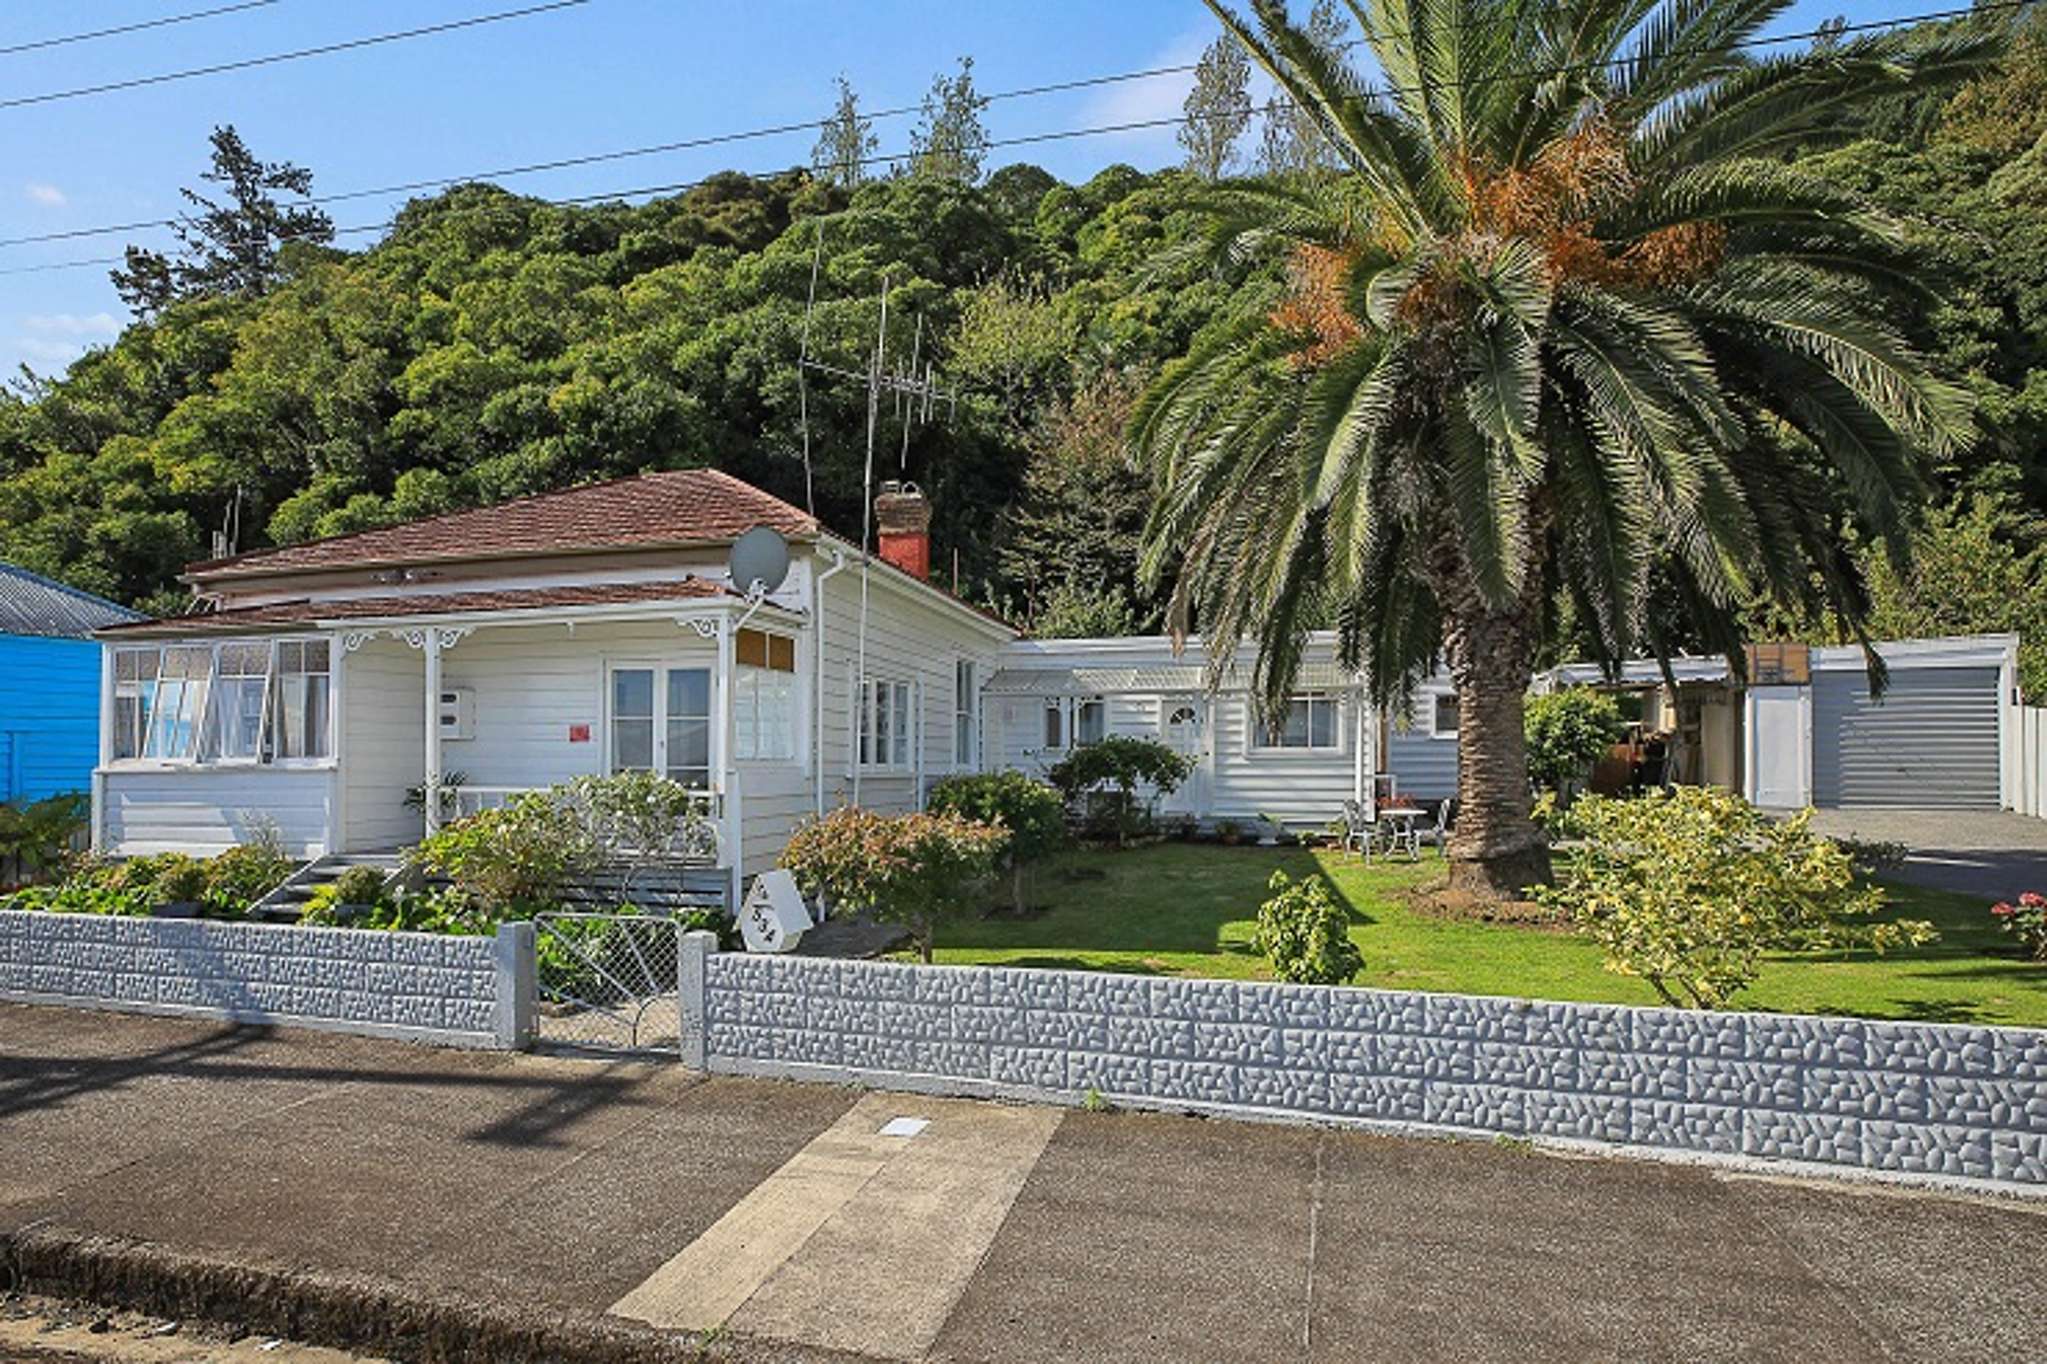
(419, 986)
(1925, 1100)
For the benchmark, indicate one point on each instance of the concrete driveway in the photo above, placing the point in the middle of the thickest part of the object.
(1993, 854)
(393, 1199)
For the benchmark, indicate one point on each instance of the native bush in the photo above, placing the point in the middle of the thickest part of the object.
(1689, 889)
(1305, 934)
(917, 869)
(1568, 731)
(2026, 921)
(1120, 764)
(1030, 811)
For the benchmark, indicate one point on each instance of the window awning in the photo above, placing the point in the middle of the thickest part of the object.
(1145, 679)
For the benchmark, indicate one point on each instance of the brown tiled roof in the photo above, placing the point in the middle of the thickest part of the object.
(303, 612)
(680, 507)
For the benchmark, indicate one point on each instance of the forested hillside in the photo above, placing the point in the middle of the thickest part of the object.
(494, 345)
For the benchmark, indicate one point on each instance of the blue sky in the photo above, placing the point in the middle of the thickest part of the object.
(608, 74)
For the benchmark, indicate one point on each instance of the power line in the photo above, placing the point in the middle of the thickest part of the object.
(1018, 140)
(1021, 92)
(136, 27)
(323, 50)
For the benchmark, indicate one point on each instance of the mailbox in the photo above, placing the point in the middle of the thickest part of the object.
(774, 917)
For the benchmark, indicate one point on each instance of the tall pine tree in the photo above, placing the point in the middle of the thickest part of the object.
(845, 141)
(950, 143)
(231, 247)
(1218, 109)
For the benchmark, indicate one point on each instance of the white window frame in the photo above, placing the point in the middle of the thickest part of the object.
(746, 683)
(332, 674)
(1055, 711)
(1078, 704)
(900, 700)
(198, 756)
(966, 715)
(661, 716)
(1435, 705)
(1264, 744)
(212, 728)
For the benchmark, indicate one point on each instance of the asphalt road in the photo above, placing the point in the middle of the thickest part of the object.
(558, 1187)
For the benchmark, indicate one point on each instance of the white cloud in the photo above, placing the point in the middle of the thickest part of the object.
(1147, 101)
(73, 324)
(49, 196)
(49, 352)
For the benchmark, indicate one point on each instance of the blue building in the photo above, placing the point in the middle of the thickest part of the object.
(49, 684)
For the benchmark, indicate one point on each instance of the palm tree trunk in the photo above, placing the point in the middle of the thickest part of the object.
(1496, 851)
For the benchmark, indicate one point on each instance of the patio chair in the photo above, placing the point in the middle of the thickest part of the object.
(1359, 829)
(1436, 834)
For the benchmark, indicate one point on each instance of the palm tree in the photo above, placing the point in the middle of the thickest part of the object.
(1566, 328)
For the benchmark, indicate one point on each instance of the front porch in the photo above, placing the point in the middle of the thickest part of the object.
(419, 717)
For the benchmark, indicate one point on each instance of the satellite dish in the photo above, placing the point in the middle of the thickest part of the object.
(759, 560)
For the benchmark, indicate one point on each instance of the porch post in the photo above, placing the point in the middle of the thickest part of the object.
(1359, 774)
(721, 756)
(433, 730)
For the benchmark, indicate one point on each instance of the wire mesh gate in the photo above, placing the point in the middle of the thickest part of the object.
(608, 982)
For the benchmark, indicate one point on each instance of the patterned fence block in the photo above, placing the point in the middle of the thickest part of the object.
(1916, 1098)
(427, 986)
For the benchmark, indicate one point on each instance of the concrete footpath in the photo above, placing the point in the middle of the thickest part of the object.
(427, 1204)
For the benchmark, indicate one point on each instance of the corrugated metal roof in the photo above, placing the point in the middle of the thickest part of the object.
(31, 604)
(1170, 677)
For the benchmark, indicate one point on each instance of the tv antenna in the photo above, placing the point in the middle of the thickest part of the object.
(916, 395)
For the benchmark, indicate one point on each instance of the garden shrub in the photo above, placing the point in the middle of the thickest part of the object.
(640, 817)
(244, 874)
(1120, 764)
(1567, 732)
(2026, 921)
(917, 870)
(1305, 934)
(36, 837)
(223, 886)
(1030, 811)
(1688, 889)
(511, 856)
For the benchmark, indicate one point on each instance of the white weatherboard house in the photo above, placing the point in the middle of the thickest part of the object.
(586, 631)
(597, 630)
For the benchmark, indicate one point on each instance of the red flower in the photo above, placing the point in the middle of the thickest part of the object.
(2033, 899)
(2002, 910)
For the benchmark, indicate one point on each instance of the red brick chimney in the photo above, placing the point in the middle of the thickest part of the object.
(904, 517)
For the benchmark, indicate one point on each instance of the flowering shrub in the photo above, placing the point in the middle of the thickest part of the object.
(2026, 921)
(1305, 934)
(1029, 810)
(1688, 889)
(916, 870)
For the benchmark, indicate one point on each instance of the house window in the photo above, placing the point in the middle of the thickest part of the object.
(303, 699)
(661, 722)
(1090, 721)
(764, 697)
(1308, 722)
(241, 691)
(183, 675)
(965, 699)
(885, 724)
(134, 699)
(1443, 715)
(1055, 724)
(239, 701)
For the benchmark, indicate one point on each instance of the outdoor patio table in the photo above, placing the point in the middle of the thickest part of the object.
(1401, 834)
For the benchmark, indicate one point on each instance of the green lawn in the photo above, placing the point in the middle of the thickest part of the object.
(1186, 910)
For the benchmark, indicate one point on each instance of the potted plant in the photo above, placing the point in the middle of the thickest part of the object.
(1269, 830)
(1229, 831)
